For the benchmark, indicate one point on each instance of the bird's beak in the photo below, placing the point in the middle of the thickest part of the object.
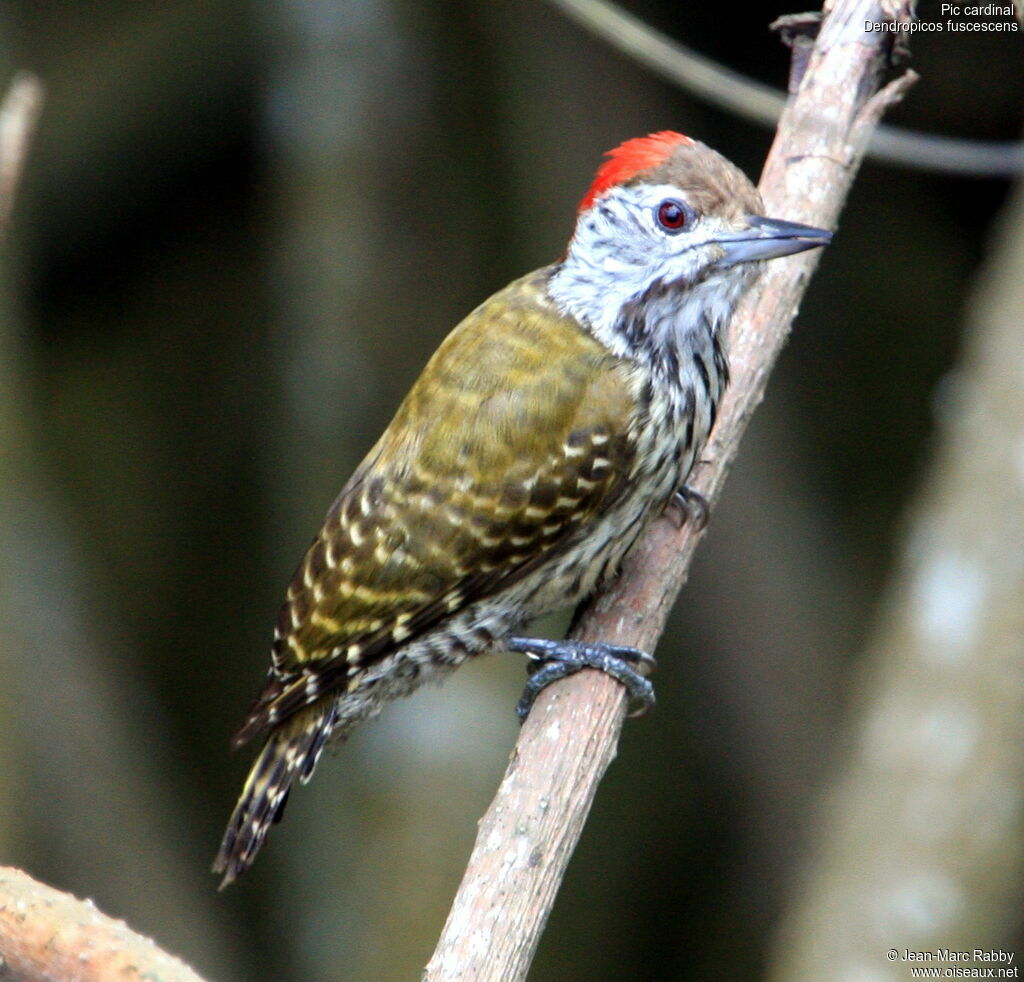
(768, 238)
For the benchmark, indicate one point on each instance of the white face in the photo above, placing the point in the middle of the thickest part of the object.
(633, 239)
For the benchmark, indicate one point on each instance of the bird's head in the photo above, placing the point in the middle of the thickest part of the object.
(670, 222)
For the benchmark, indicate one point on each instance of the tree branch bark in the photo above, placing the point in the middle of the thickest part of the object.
(47, 935)
(919, 842)
(534, 822)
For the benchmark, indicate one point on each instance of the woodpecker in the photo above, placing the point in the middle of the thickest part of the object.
(545, 433)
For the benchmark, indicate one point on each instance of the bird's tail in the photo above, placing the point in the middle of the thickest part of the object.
(291, 751)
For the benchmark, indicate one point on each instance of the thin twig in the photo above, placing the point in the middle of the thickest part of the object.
(736, 93)
(18, 114)
(46, 934)
(532, 826)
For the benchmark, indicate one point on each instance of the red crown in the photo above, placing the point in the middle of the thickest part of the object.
(632, 158)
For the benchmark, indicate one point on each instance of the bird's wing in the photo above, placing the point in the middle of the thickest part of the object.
(512, 439)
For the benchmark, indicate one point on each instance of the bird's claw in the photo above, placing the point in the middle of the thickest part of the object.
(691, 506)
(554, 660)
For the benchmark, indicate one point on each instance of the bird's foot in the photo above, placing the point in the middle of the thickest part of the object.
(554, 660)
(691, 506)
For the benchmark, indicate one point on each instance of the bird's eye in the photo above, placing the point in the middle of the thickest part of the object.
(673, 215)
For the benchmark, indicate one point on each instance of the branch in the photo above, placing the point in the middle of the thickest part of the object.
(18, 114)
(532, 826)
(919, 838)
(760, 103)
(47, 935)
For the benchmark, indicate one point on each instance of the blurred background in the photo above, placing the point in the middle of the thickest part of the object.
(242, 229)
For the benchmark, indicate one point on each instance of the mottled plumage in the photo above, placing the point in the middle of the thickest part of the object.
(476, 483)
(544, 434)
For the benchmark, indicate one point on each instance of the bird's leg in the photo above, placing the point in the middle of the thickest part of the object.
(554, 660)
(691, 506)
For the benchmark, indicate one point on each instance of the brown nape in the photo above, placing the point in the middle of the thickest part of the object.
(712, 183)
